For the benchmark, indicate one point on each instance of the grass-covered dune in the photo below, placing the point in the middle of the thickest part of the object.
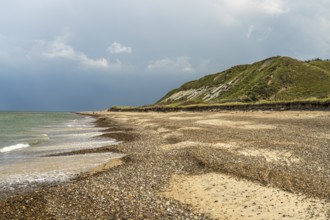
(276, 83)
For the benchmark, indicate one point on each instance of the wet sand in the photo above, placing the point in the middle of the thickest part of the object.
(203, 165)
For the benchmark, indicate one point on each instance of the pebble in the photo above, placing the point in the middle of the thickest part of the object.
(131, 191)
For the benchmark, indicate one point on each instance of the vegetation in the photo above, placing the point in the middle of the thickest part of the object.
(274, 83)
(276, 79)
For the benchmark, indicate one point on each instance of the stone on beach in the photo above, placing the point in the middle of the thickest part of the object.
(281, 152)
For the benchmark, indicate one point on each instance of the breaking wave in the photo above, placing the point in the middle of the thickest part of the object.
(14, 147)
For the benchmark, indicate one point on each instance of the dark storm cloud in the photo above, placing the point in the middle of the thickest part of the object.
(79, 55)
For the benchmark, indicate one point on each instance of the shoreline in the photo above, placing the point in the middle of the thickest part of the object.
(165, 149)
(48, 170)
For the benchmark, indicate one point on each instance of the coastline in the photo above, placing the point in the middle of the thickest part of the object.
(28, 137)
(165, 150)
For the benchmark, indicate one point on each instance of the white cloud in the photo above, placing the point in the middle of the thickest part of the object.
(234, 12)
(117, 48)
(180, 63)
(97, 63)
(250, 31)
(58, 48)
(261, 6)
(273, 7)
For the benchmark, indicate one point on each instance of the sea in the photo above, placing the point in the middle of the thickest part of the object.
(28, 138)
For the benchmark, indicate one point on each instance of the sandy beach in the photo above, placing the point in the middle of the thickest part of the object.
(196, 165)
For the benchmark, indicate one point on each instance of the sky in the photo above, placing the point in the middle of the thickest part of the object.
(77, 55)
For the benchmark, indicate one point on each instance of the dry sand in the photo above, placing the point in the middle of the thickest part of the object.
(225, 197)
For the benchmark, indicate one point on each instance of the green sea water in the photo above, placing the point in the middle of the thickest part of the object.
(27, 138)
(29, 128)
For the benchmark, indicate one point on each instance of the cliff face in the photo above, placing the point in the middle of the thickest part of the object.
(275, 79)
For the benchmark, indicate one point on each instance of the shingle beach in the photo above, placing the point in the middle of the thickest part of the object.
(198, 165)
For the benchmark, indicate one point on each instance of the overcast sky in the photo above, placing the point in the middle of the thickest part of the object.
(75, 55)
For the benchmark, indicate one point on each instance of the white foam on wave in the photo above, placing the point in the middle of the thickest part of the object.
(50, 169)
(14, 147)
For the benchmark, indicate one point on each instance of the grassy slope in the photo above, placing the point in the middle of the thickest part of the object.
(277, 79)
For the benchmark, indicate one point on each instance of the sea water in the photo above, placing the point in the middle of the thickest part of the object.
(28, 138)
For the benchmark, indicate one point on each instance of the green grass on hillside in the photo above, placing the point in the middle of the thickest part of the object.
(275, 79)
